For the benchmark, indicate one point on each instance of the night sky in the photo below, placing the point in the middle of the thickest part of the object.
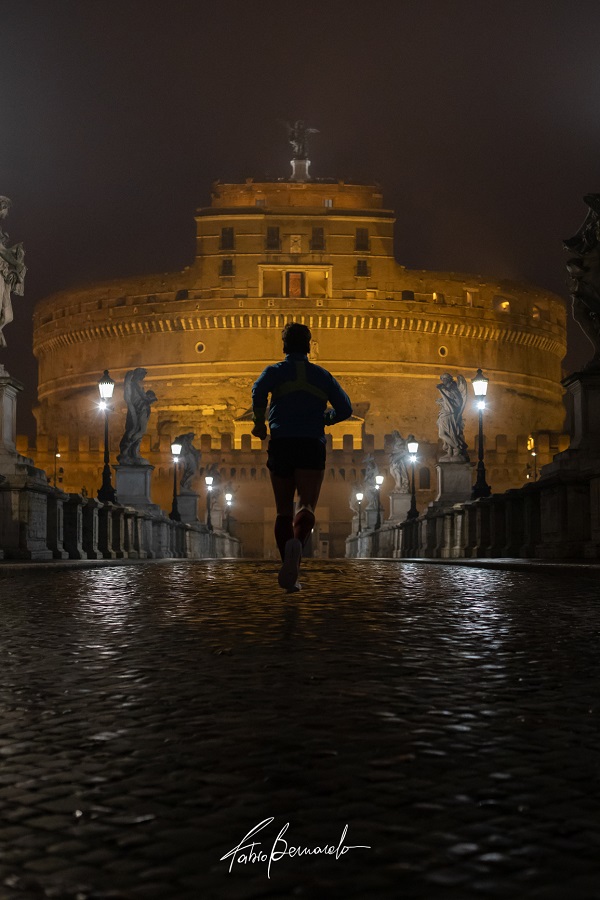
(481, 122)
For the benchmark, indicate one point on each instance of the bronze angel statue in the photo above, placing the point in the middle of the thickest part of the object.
(190, 457)
(398, 460)
(12, 272)
(298, 138)
(450, 418)
(584, 276)
(138, 403)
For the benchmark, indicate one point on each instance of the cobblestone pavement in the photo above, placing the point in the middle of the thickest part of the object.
(154, 714)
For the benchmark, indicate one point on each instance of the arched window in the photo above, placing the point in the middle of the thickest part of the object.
(424, 479)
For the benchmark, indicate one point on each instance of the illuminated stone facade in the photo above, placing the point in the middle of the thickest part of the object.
(319, 253)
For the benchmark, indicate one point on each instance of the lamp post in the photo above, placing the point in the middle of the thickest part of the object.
(209, 480)
(532, 450)
(106, 387)
(359, 499)
(412, 446)
(480, 386)
(378, 483)
(56, 457)
(176, 451)
(228, 500)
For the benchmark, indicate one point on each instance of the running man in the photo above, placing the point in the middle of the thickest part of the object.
(298, 414)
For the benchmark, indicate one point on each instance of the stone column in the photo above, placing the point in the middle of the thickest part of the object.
(105, 531)
(129, 517)
(73, 526)
(498, 536)
(55, 532)
(90, 528)
(513, 511)
(118, 532)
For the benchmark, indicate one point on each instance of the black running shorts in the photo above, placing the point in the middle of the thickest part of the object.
(284, 455)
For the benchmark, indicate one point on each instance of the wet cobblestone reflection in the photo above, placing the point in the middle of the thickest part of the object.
(153, 714)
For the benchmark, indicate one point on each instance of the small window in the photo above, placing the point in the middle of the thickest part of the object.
(424, 479)
(361, 241)
(362, 268)
(502, 305)
(317, 241)
(536, 313)
(260, 201)
(408, 295)
(226, 267)
(472, 297)
(273, 242)
(328, 202)
(227, 239)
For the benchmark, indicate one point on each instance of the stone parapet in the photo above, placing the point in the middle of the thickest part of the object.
(557, 518)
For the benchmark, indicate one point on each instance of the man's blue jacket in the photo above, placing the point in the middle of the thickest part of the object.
(299, 393)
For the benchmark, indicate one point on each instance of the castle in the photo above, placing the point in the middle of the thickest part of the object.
(318, 252)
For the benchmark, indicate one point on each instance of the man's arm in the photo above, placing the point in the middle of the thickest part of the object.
(339, 399)
(260, 393)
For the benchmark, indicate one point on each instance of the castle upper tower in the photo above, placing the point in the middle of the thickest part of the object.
(294, 240)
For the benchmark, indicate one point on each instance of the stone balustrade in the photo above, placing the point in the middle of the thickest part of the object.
(557, 517)
(46, 523)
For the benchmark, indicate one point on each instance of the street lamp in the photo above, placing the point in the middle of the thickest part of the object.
(228, 499)
(378, 483)
(359, 499)
(56, 457)
(209, 481)
(106, 387)
(480, 386)
(412, 446)
(176, 451)
(532, 450)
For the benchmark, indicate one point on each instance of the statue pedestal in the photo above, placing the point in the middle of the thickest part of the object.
(455, 483)
(216, 516)
(133, 486)
(585, 395)
(399, 506)
(11, 462)
(583, 453)
(187, 505)
(369, 519)
(584, 389)
(300, 169)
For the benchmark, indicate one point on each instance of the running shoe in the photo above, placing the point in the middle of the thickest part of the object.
(292, 557)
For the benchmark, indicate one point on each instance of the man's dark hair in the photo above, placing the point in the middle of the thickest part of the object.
(296, 338)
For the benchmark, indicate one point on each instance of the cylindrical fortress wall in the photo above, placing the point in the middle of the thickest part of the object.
(389, 359)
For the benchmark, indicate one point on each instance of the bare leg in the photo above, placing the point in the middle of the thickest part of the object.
(308, 483)
(284, 490)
